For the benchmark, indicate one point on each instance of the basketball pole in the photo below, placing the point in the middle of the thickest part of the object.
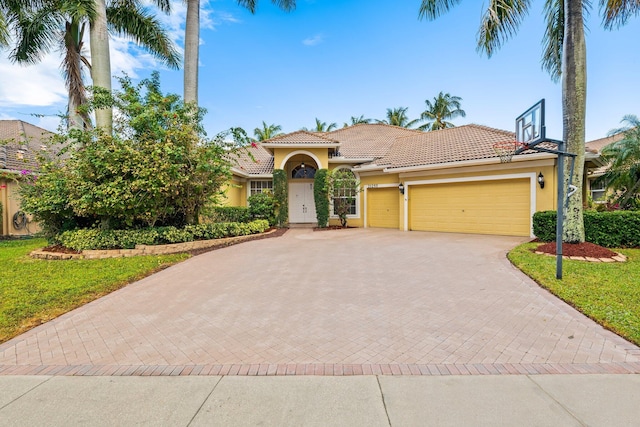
(560, 211)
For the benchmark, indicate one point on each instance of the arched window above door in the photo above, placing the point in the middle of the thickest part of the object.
(303, 171)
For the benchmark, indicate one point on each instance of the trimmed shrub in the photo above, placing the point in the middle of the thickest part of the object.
(616, 229)
(94, 238)
(281, 195)
(230, 214)
(321, 197)
(262, 206)
(544, 225)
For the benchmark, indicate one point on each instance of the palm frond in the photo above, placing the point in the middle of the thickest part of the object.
(286, 5)
(616, 13)
(500, 22)
(36, 33)
(4, 31)
(431, 9)
(553, 37)
(144, 29)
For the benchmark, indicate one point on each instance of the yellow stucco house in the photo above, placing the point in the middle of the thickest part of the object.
(19, 144)
(448, 180)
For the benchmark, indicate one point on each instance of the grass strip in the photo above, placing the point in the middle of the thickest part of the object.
(34, 291)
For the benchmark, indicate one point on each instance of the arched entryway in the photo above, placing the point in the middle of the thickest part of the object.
(301, 170)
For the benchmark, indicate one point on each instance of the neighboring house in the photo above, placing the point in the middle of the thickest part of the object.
(446, 180)
(598, 191)
(19, 145)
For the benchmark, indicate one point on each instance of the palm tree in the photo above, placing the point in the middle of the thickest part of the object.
(398, 117)
(192, 41)
(267, 131)
(357, 121)
(564, 56)
(63, 23)
(443, 108)
(623, 174)
(323, 126)
(119, 15)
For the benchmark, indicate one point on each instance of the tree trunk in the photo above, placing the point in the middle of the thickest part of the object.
(191, 51)
(574, 98)
(101, 62)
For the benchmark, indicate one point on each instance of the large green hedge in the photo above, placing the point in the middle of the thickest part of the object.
(281, 195)
(617, 229)
(321, 197)
(230, 214)
(93, 238)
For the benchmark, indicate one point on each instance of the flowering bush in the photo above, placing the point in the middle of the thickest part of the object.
(156, 169)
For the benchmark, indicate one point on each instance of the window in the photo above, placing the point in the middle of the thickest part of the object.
(344, 193)
(261, 186)
(303, 171)
(344, 198)
(598, 190)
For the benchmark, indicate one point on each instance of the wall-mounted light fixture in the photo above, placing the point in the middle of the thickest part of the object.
(401, 188)
(541, 180)
(302, 165)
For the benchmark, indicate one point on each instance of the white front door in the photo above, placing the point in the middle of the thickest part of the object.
(302, 207)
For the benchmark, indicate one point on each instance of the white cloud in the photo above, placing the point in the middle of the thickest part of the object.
(42, 85)
(313, 41)
(35, 85)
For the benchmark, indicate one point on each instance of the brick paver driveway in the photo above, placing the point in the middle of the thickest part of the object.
(331, 302)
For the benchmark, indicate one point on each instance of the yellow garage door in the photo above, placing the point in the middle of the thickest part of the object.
(383, 207)
(483, 207)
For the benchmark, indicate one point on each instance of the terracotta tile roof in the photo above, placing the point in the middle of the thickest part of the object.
(468, 142)
(369, 140)
(20, 143)
(597, 145)
(262, 162)
(301, 137)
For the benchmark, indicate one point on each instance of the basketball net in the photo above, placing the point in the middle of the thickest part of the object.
(506, 149)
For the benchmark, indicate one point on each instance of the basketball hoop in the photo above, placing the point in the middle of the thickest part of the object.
(506, 149)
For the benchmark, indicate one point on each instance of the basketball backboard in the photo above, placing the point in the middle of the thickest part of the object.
(530, 128)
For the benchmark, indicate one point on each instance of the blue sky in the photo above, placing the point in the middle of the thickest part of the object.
(337, 59)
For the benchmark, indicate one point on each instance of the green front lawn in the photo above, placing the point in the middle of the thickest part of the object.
(609, 293)
(33, 291)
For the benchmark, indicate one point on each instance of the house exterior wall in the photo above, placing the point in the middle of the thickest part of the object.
(488, 182)
(518, 176)
(10, 206)
(235, 193)
(290, 155)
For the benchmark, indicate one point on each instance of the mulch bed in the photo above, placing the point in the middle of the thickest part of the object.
(59, 249)
(585, 249)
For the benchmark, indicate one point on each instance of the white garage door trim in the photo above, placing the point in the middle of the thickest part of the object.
(366, 206)
(532, 191)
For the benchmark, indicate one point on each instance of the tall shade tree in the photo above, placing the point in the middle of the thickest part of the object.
(118, 14)
(623, 174)
(398, 117)
(267, 131)
(63, 23)
(192, 41)
(564, 56)
(444, 107)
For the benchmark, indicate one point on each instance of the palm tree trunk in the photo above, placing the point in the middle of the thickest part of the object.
(101, 62)
(72, 68)
(574, 99)
(191, 51)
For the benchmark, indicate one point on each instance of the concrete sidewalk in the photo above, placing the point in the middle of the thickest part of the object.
(504, 400)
